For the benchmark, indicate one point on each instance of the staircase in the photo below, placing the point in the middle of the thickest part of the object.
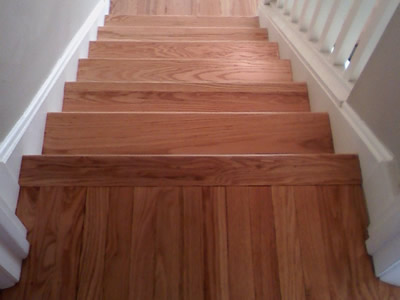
(186, 164)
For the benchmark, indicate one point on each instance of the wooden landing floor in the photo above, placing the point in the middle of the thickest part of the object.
(185, 7)
(304, 242)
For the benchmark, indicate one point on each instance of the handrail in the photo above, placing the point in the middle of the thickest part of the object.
(347, 30)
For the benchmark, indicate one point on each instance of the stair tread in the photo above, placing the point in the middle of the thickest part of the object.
(120, 101)
(191, 70)
(187, 133)
(131, 20)
(180, 33)
(268, 87)
(207, 170)
(128, 96)
(183, 49)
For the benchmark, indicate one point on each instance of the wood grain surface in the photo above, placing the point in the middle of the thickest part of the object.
(116, 275)
(175, 21)
(326, 169)
(289, 88)
(247, 50)
(173, 101)
(182, 33)
(178, 70)
(197, 243)
(146, 96)
(186, 7)
(187, 133)
(92, 258)
(211, 97)
(186, 165)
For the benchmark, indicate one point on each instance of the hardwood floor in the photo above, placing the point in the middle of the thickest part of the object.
(186, 164)
(185, 7)
(279, 242)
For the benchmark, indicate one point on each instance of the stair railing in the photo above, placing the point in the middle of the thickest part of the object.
(346, 31)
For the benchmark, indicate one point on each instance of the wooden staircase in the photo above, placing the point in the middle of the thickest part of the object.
(186, 85)
(186, 164)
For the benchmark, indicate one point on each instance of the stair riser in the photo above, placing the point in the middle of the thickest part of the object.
(184, 71)
(147, 133)
(120, 101)
(186, 50)
(184, 34)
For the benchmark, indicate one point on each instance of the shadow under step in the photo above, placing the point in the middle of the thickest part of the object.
(181, 70)
(182, 33)
(187, 133)
(184, 21)
(236, 50)
(169, 170)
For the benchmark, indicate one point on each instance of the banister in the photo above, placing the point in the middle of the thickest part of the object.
(342, 28)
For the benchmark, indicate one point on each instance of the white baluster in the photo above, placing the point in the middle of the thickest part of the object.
(334, 24)
(306, 14)
(288, 7)
(280, 3)
(351, 30)
(375, 26)
(296, 10)
(319, 18)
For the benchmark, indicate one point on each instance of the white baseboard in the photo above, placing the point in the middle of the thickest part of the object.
(26, 137)
(328, 93)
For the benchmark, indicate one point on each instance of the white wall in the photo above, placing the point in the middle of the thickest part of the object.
(33, 36)
(376, 96)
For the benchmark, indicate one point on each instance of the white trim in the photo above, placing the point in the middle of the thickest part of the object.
(26, 137)
(374, 145)
(328, 92)
(392, 275)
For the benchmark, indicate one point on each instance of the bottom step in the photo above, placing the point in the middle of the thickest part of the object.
(186, 170)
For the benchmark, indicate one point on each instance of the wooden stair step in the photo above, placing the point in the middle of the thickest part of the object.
(247, 50)
(181, 33)
(131, 96)
(178, 70)
(186, 21)
(291, 88)
(187, 133)
(169, 170)
(120, 97)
